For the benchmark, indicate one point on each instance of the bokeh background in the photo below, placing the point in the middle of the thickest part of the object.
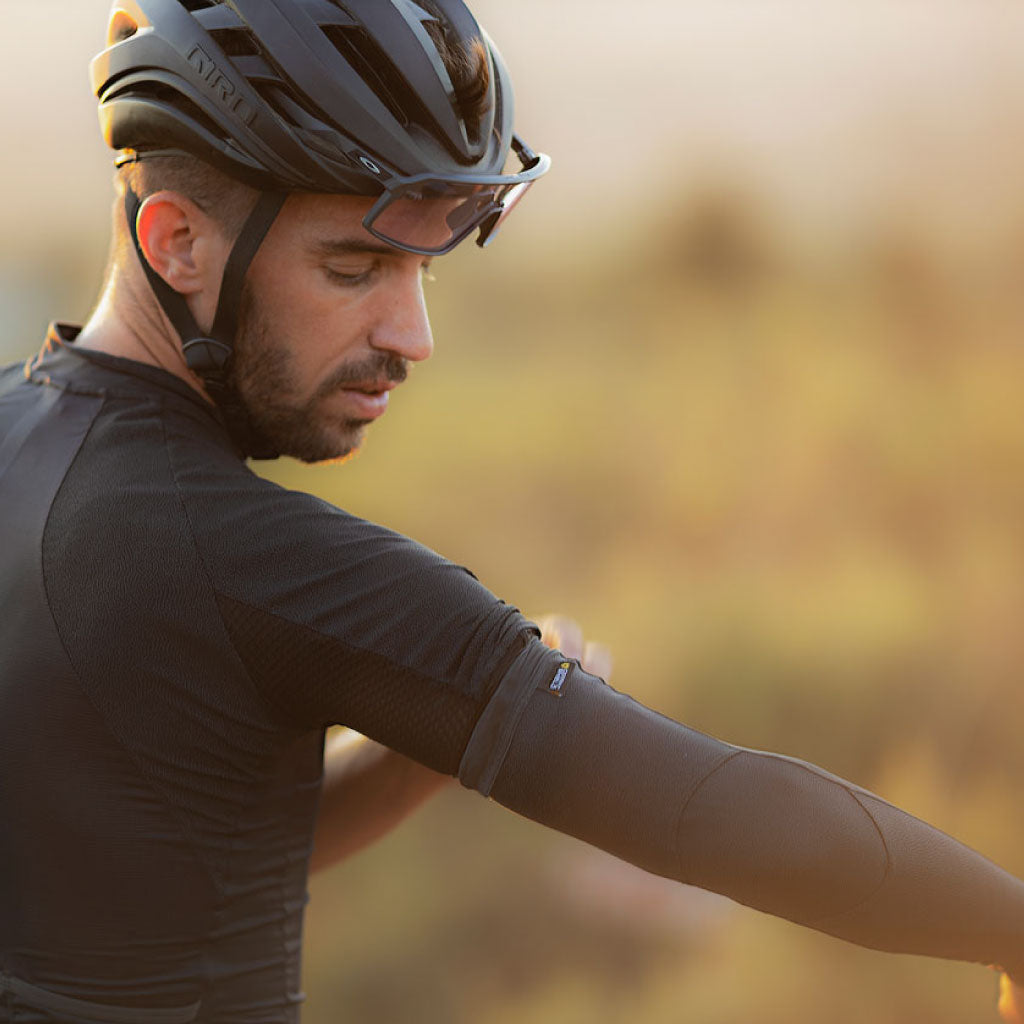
(740, 388)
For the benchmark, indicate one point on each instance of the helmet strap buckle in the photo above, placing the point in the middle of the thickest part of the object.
(209, 354)
(206, 355)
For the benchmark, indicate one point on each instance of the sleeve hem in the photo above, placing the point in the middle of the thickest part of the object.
(492, 737)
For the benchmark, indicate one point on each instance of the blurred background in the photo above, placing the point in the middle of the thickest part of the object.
(739, 388)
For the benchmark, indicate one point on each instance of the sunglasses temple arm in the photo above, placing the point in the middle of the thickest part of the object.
(489, 230)
(526, 155)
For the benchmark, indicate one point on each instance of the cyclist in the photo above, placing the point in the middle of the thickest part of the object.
(176, 634)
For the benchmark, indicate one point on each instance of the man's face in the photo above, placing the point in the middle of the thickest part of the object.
(330, 319)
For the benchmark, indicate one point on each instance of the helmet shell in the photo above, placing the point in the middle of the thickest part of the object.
(307, 95)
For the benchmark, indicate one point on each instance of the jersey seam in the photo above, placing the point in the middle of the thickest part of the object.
(227, 858)
(207, 574)
(686, 806)
(182, 822)
(809, 770)
(868, 897)
(162, 418)
(514, 648)
(270, 704)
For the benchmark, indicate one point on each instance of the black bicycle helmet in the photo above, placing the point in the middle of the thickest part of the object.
(406, 100)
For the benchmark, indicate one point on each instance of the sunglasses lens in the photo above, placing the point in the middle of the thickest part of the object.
(435, 224)
(431, 225)
(508, 202)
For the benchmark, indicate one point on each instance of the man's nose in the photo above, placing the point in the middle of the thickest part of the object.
(403, 326)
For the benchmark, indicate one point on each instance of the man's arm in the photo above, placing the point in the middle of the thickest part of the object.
(456, 680)
(368, 789)
(775, 833)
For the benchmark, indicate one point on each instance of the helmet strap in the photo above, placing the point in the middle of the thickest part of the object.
(210, 355)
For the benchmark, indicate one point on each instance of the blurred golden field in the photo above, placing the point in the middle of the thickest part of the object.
(739, 388)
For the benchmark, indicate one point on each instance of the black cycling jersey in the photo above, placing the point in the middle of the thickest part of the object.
(175, 635)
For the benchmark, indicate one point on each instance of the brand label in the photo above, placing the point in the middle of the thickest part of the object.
(223, 89)
(560, 677)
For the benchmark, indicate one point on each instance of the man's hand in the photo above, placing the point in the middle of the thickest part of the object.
(1011, 1001)
(566, 636)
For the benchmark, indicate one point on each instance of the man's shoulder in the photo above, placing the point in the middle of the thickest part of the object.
(11, 374)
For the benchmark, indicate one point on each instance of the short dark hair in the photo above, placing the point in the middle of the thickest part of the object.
(221, 197)
(467, 66)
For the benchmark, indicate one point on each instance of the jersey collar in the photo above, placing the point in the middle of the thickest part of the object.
(60, 363)
(63, 364)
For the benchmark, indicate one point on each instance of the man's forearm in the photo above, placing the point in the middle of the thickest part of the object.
(771, 832)
(367, 791)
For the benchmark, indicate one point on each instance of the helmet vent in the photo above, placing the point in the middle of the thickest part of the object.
(198, 5)
(312, 130)
(122, 26)
(372, 65)
(236, 42)
(283, 101)
(467, 65)
(168, 98)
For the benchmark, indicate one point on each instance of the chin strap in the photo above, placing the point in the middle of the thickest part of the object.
(210, 355)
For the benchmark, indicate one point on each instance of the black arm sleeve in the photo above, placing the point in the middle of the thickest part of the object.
(768, 831)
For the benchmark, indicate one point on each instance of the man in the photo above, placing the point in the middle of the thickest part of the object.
(176, 634)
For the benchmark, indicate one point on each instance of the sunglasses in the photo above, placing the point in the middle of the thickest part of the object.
(431, 216)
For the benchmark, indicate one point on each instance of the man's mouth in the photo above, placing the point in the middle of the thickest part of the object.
(367, 400)
(373, 388)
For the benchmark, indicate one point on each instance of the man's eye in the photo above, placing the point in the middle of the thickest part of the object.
(348, 277)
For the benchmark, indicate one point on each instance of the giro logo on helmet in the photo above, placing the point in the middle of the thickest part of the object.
(222, 88)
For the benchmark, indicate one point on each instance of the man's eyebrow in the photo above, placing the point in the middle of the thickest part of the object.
(328, 247)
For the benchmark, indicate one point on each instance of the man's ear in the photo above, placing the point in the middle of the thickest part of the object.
(181, 243)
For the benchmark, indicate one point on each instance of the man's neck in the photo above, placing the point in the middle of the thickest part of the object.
(139, 331)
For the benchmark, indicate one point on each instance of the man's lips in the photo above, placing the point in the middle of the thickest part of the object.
(369, 399)
(372, 388)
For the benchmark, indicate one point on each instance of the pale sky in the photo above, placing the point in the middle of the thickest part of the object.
(820, 104)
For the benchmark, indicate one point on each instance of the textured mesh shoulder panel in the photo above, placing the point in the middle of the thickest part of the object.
(319, 679)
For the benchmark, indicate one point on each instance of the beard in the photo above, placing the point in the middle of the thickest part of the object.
(263, 376)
